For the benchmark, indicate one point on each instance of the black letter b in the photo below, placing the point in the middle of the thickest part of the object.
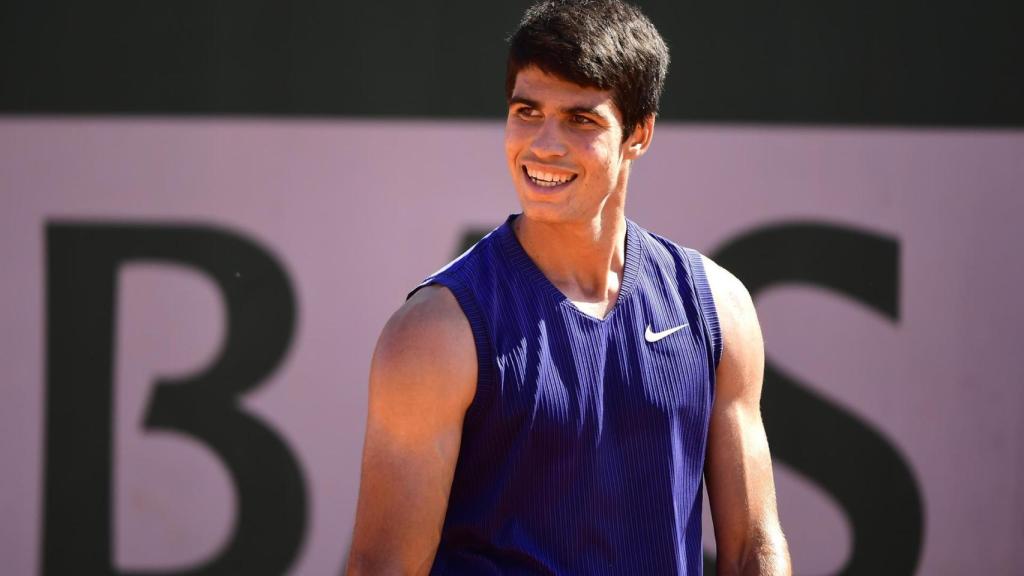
(83, 261)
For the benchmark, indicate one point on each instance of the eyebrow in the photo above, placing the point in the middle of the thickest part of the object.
(571, 110)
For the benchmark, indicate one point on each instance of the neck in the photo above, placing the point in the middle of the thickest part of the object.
(584, 260)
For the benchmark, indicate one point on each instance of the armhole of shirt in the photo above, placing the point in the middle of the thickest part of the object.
(706, 301)
(481, 338)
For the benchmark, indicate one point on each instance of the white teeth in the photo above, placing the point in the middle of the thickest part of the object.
(548, 179)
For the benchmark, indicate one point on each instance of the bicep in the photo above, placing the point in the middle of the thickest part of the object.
(422, 379)
(740, 486)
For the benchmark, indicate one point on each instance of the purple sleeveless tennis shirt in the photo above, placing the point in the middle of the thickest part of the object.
(583, 449)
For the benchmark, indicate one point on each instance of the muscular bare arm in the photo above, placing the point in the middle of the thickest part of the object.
(422, 380)
(740, 486)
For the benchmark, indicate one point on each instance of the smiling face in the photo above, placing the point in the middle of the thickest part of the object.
(565, 150)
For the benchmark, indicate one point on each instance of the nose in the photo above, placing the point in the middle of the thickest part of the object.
(547, 141)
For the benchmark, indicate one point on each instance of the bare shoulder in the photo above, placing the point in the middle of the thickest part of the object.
(742, 360)
(732, 300)
(431, 318)
(422, 381)
(427, 344)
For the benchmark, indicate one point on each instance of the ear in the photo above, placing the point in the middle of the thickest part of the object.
(640, 140)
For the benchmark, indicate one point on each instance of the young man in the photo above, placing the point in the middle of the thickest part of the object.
(551, 401)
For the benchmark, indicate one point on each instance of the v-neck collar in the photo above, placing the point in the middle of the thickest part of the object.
(522, 262)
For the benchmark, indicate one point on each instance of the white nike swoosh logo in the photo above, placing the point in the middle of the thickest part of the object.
(652, 336)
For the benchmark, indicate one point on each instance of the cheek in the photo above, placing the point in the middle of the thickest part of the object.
(514, 138)
(603, 156)
(513, 150)
(510, 149)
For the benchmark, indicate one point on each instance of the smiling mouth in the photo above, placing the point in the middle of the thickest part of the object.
(547, 179)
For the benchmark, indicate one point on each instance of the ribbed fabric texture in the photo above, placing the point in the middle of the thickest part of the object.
(583, 449)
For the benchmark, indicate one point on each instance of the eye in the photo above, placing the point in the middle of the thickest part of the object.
(526, 112)
(581, 120)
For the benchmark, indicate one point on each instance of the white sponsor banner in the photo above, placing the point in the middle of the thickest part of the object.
(355, 213)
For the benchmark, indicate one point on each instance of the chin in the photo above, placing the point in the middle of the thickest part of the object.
(546, 213)
(545, 216)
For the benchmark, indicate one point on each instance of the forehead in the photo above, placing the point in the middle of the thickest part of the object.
(552, 91)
